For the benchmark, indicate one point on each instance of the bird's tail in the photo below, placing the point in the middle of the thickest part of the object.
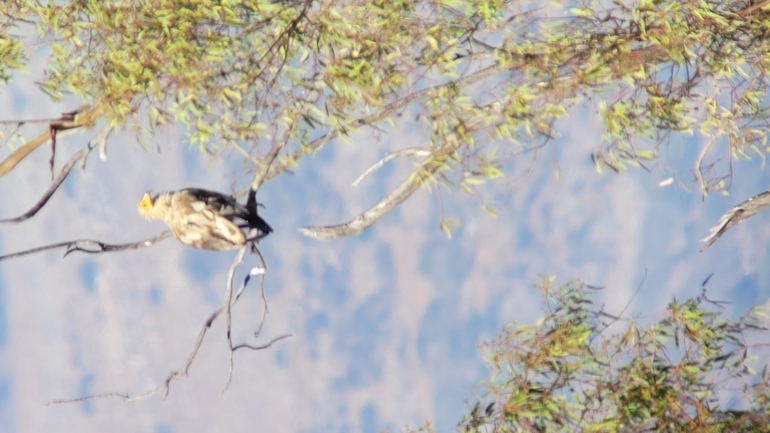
(254, 220)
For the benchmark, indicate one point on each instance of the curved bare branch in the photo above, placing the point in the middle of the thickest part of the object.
(431, 164)
(228, 308)
(263, 346)
(81, 155)
(426, 170)
(409, 151)
(704, 187)
(401, 193)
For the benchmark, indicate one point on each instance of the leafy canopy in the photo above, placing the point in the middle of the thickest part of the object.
(259, 74)
(575, 372)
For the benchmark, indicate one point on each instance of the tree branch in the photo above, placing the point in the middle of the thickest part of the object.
(261, 174)
(83, 116)
(81, 155)
(697, 169)
(230, 301)
(261, 272)
(395, 198)
(426, 170)
(388, 110)
(165, 388)
(410, 151)
(433, 163)
(752, 8)
(228, 308)
(90, 246)
(552, 85)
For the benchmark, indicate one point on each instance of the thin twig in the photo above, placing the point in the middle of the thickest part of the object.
(261, 271)
(264, 346)
(230, 301)
(619, 316)
(410, 151)
(263, 174)
(698, 161)
(166, 387)
(753, 8)
(183, 371)
(65, 171)
(166, 383)
(24, 122)
(228, 309)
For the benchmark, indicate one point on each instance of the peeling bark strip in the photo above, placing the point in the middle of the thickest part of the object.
(81, 155)
(737, 215)
(83, 116)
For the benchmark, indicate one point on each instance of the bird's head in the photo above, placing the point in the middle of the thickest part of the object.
(146, 205)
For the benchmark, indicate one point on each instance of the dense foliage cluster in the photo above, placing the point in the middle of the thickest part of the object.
(481, 73)
(580, 369)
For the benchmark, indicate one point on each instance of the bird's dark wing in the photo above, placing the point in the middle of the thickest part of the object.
(228, 206)
(215, 199)
(739, 213)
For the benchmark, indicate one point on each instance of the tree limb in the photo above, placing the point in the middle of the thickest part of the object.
(433, 163)
(226, 308)
(91, 246)
(752, 8)
(388, 110)
(261, 272)
(83, 116)
(559, 84)
(410, 151)
(230, 301)
(357, 225)
(81, 155)
(697, 169)
(736, 215)
(261, 174)
(425, 171)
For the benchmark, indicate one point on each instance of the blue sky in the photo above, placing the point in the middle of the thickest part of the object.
(386, 326)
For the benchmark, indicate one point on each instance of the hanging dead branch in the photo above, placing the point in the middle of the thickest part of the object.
(100, 139)
(83, 116)
(226, 308)
(737, 215)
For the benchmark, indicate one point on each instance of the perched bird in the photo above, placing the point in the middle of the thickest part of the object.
(739, 213)
(205, 219)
